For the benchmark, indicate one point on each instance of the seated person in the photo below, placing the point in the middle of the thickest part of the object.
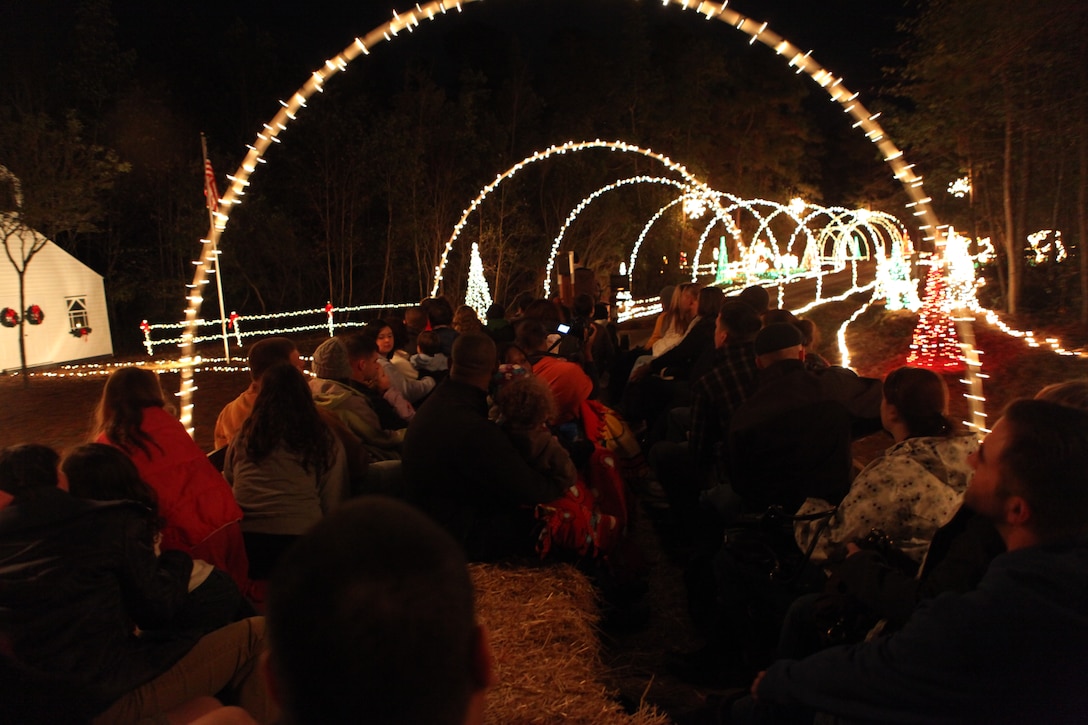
(415, 322)
(664, 383)
(287, 467)
(790, 439)
(811, 335)
(910, 491)
(523, 407)
(568, 381)
(202, 518)
(371, 618)
(77, 578)
(429, 360)
(464, 471)
(956, 560)
(498, 327)
(98, 472)
(440, 317)
(676, 362)
(263, 354)
(589, 518)
(675, 320)
(465, 320)
(349, 387)
(411, 389)
(809, 331)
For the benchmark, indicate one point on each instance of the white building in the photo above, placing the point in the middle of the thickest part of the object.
(72, 300)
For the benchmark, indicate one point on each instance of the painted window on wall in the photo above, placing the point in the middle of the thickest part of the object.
(77, 312)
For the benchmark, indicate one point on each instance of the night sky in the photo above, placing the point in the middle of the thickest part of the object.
(189, 48)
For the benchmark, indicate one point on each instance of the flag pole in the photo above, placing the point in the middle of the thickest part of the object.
(211, 196)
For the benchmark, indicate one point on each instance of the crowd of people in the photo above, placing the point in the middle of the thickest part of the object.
(945, 581)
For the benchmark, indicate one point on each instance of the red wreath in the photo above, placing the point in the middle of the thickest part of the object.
(34, 315)
(80, 332)
(9, 317)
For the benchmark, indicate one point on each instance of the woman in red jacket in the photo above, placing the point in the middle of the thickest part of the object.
(202, 517)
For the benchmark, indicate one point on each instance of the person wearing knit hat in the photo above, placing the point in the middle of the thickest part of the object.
(780, 341)
(756, 297)
(331, 360)
(792, 436)
(343, 388)
(789, 440)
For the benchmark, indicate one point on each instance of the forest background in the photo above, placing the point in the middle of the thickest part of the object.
(102, 104)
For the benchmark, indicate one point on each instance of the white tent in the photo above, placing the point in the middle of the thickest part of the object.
(71, 298)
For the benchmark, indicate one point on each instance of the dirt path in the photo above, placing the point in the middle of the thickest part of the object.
(59, 412)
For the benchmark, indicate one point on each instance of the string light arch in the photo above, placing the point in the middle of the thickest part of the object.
(584, 203)
(551, 151)
(801, 61)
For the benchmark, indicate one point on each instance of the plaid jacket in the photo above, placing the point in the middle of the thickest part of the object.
(716, 395)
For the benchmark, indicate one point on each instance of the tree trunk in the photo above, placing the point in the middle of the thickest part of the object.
(22, 324)
(388, 244)
(1011, 243)
(1082, 184)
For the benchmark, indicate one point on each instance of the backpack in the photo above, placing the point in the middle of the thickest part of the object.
(590, 518)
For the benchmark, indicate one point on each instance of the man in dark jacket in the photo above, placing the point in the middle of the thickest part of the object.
(790, 440)
(464, 471)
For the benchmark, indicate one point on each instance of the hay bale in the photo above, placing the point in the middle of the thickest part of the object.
(542, 623)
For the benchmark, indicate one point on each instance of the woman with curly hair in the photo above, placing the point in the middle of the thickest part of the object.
(523, 406)
(195, 501)
(466, 320)
(287, 466)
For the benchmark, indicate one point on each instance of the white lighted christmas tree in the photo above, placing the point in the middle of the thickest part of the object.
(478, 296)
(894, 282)
(936, 345)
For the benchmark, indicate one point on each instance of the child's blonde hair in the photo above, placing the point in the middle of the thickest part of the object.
(525, 403)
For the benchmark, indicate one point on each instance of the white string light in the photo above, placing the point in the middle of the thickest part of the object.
(478, 296)
(288, 111)
(329, 325)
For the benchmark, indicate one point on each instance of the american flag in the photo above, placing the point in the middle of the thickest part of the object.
(211, 192)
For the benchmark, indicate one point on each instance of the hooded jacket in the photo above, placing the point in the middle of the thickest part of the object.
(909, 492)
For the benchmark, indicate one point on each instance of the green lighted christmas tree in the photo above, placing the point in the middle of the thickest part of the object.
(935, 345)
(723, 262)
(478, 296)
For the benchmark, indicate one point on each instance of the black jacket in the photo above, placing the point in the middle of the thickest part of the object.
(467, 474)
(76, 578)
(790, 440)
(680, 359)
